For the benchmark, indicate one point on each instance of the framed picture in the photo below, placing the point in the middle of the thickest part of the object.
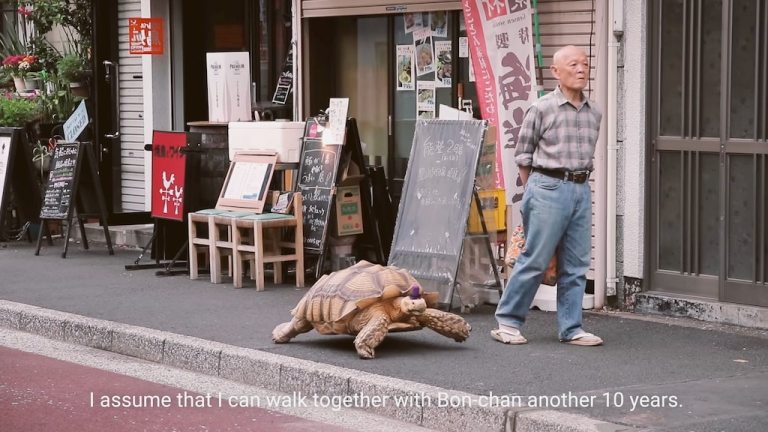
(247, 182)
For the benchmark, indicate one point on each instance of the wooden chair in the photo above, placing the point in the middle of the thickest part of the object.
(259, 239)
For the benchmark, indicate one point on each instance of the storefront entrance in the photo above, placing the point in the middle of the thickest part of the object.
(390, 73)
(709, 150)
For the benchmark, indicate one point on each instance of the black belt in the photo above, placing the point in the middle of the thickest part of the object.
(572, 176)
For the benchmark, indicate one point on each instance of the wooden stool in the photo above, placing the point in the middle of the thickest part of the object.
(259, 239)
(197, 242)
(221, 244)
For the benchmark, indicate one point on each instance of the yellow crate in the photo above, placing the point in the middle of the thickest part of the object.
(494, 211)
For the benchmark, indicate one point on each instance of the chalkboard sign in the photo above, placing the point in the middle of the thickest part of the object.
(285, 82)
(67, 191)
(318, 169)
(435, 203)
(65, 167)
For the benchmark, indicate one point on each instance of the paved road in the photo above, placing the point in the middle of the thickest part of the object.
(718, 374)
(40, 393)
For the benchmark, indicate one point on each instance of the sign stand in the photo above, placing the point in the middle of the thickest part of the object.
(489, 250)
(66, 192)
(173, 197)
(17, 174)
(436, 199)
(321, 169)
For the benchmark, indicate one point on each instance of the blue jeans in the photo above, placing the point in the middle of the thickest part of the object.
(557, 215)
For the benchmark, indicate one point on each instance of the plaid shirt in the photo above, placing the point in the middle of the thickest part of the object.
(557, 135)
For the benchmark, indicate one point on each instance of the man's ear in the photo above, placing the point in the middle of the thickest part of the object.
(555, 71)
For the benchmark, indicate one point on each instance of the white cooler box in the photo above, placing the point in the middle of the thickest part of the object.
(284, 138)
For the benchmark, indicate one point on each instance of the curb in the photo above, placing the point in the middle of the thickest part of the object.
(287, 374)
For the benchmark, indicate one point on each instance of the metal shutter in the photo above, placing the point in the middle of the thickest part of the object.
(132, 169)
(574, 22)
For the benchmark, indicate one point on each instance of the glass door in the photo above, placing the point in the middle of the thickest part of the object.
(426, 45)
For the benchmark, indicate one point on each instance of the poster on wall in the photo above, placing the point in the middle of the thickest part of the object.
(145, 36)
(502, 55)
(404, 72)
(438, 22)
(425, 100)
(444, 64)
(412, 21)
(425, 56)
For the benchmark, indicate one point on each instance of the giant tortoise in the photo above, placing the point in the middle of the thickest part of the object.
(369, 300)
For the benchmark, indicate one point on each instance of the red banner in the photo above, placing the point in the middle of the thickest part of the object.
(168, 175)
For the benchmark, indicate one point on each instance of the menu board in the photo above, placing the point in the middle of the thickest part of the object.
(59, 193)
(435, 203)
(285, 82)
(318, 169)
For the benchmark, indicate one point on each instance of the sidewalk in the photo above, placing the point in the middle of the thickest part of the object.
(661, 374)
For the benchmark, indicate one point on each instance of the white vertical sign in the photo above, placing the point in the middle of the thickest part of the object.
(337, 121)
(500, 39)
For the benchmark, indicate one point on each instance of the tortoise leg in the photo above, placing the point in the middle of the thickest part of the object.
(289, 330)
(446, 323)
(372, 335)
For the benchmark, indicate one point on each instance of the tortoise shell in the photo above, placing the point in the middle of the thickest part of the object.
(337, 296)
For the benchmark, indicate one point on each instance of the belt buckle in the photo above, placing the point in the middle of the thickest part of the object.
(579, 176)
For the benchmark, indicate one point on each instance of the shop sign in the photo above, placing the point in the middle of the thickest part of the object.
(168, 175)
(146, 35)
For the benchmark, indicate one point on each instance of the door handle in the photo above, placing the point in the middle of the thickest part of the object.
(111, 76)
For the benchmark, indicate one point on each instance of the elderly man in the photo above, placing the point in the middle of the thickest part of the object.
(554, 154)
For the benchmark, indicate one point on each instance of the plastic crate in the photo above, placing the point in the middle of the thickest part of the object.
(494, 210)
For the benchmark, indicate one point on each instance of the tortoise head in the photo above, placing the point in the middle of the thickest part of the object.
(413, 304)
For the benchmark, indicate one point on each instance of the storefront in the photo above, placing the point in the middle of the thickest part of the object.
(355, 49)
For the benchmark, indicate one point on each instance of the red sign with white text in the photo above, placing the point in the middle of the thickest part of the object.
(168, 175)
(146, 35)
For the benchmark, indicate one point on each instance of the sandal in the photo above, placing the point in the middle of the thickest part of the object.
(511, 337)
(584, 339)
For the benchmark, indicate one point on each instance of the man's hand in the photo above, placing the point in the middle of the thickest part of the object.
(525, 171)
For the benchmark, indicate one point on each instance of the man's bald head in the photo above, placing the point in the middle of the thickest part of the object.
(571, 68)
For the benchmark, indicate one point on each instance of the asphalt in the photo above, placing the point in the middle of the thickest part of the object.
(656, 373)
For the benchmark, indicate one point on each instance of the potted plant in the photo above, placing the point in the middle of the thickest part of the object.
(17, 111)
(72, 70)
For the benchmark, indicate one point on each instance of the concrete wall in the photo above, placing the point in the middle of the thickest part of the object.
(632, 136)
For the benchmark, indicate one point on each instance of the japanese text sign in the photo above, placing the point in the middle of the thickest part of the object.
(168, 175)
(146, 35)
(501, 43)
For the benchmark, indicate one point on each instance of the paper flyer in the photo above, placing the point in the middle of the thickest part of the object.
(438, 22)
(463, 47)
(337, 121)
(425, 56)
(425, 99)
(413, 21)
(404, 71)
(444, 63)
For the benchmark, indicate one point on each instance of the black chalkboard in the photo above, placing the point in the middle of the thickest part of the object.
(65, 168)
(318, 170)
(73, 184)
(435, 202)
